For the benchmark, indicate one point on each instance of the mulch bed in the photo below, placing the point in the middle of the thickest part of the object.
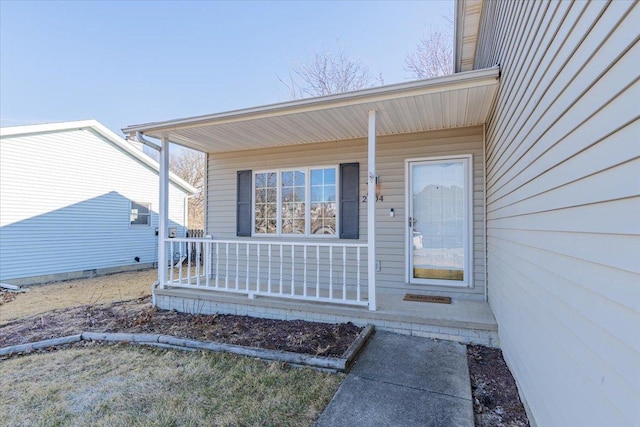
(139, 316)
(496, 400)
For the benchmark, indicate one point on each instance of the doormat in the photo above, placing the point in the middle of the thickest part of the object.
(427, 298)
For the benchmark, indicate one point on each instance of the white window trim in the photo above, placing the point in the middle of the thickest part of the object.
(468, 224)
(149, 214)
(307, 234)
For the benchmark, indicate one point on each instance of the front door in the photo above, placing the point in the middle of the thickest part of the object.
(439, 222)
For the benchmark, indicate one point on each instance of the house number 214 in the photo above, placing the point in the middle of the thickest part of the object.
(378, 199)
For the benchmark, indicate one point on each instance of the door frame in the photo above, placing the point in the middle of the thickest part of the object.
(467, 226)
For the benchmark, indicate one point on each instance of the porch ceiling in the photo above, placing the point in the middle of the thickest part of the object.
(458, 100)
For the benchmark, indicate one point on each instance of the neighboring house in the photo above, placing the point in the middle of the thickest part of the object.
(77, 200)
(356, 206)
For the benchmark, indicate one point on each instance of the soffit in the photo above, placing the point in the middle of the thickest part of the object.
(459, 100)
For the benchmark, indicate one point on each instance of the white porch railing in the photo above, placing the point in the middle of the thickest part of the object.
(325, 272)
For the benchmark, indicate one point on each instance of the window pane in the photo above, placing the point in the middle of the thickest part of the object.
(323, 218)
(287, 194)
(265, 202)
(330, 176)
(272, 195)
(329, 193)
(438, 191)
(316, 177)
(272, 179)
(293, 202)
(287, 179)
(316, 193)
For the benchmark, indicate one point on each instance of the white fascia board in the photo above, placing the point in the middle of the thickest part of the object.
(46, 127)
(458, 14)
(400, 90)
(102, 131)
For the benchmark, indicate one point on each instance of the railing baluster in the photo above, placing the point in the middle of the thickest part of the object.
(237, 264)
(331, 272)
(269, 278)
(198, 253)
(344, 273)
(188, 269)
(207, 261)
(180, 272)
(258, 268)
(226, 266)
(217, 264)
(304, 278)
(171, 269)
(247, 261)
(358, 273)
(293, 268)
(281, 269)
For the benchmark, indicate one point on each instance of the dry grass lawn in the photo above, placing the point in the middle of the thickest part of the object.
(125, 385)
(72, 293)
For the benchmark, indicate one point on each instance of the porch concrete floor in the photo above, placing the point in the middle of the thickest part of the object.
(445, 321)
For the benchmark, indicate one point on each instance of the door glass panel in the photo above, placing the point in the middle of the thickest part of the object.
(438, 220)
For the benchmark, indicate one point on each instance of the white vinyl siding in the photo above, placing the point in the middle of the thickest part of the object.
(563, 192)
(65, 205)
(392, 153)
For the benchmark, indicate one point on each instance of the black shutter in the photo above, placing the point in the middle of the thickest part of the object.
(349, 198)
(243, 207)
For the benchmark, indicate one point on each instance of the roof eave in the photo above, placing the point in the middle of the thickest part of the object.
(101, 130)
(318, 103)
(467, 26)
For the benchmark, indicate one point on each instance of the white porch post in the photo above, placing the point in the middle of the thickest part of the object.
(163, 212)
(371, 211)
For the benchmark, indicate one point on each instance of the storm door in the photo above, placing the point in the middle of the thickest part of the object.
(439, 222)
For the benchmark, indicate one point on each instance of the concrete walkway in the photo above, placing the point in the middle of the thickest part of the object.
(402, 380)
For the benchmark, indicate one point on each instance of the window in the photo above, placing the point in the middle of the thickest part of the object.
(299, 201)
(140, 213)
(310, 201)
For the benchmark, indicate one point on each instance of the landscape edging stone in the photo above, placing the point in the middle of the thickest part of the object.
(338, 364)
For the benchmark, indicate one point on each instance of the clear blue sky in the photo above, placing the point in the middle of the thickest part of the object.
(125, 63)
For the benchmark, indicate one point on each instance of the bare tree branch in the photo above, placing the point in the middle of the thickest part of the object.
(189, 165)
(326, 74)
(434, 53)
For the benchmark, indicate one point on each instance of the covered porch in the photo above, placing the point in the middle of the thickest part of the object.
(344, 276)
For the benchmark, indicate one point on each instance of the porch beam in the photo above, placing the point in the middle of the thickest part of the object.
(163, 212)
(371, 211)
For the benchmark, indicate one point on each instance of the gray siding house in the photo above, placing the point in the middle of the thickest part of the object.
(511, 187)
(77, 200)
(563, 201)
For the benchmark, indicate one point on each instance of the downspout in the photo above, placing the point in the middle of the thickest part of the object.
(185, 217)
(146, 142)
